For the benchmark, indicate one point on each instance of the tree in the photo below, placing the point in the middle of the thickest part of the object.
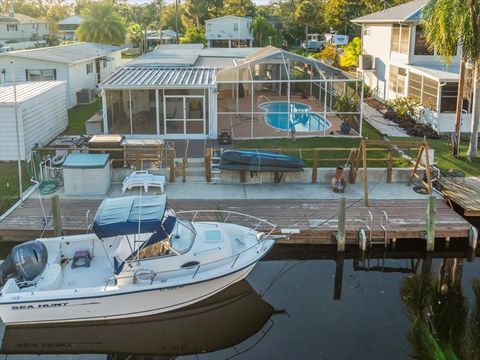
(194, 36)
(351, 53)
(446, 23)
(101, 24)
(338, 14)
(305, 13)
(135, 35)
(238, 7)
(198, 10)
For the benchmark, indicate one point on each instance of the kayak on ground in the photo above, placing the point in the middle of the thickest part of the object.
(262, 159)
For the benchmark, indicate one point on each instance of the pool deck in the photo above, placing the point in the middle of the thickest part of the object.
(241, 125)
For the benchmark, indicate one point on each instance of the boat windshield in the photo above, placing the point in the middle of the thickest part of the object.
(183, 235)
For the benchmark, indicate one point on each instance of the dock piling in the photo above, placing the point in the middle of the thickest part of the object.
(362, 240)
(57, 216)
(337, 291)
(473, 238)
(342, 208)
(430, 223)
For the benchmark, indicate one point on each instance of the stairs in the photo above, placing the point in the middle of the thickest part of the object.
(195, 171)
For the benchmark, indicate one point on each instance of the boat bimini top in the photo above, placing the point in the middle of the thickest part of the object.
(134, 215)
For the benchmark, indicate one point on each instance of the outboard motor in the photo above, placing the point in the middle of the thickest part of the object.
(25, 262)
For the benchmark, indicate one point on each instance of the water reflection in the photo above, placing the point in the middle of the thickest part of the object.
(218, 322)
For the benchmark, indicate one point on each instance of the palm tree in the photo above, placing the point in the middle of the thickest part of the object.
(101, 24)
(446, 22)
(259, 27)
(135, 35)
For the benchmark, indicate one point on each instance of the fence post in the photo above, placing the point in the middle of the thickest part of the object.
(137, 160)
(314, 166)
(353, 167)
(389, 166)
(365, 171)
(171, 164)
(57, 216)
(430, 224)
(208, 168)
(341, 225)
(184, 170)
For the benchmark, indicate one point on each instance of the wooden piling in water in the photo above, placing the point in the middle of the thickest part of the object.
(430, 223)
(337, 291)
(342, 209)
(57, 216)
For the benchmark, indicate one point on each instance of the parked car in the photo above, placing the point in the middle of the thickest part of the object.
(314, 42)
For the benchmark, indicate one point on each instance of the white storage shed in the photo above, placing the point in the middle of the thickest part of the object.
(87, 174)
(41, 111)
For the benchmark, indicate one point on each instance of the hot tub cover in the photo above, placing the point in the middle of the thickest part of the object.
(130, 215)
(86, 161)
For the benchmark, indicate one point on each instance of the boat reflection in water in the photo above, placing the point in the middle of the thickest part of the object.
(219, 322)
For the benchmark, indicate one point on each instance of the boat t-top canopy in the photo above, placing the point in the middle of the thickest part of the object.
(130, 215)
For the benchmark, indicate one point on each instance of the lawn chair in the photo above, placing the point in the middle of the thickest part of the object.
(144, 179)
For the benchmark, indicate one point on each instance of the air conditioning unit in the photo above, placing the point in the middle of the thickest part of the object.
(365, 62)
(85, 96)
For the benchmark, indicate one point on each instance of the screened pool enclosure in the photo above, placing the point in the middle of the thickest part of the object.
(275, 93)
(270, 93)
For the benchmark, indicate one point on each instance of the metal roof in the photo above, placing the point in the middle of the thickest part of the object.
(72, 20)
(25, 91)
(154, 76)
(20, 18)
(437, 72)
(408, 12)
(67, 54)
(167, 58)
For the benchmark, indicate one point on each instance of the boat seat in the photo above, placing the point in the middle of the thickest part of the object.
(51, 277)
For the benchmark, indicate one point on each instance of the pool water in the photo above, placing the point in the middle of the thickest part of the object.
(297, 116)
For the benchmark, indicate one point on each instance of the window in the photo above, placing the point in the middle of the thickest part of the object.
(423, 89)
(400, 38)
(448, 100)
(89, 68)
(12, 27)
(235, 26)
(420, 43)
(366, 30)
(397, 79)
(41, 74)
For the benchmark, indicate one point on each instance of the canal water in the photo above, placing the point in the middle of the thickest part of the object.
(301, 304)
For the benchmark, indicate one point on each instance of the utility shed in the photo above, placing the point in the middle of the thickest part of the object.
(42, 115)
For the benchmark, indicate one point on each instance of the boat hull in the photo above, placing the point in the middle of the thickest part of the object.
(261, 158)
(148, 300)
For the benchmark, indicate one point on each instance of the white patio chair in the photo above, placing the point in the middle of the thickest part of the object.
(145, 179)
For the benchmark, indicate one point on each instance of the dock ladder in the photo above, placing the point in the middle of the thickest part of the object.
(383, 225)
(214, 165)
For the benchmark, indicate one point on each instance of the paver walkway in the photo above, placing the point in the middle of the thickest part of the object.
(385, 126)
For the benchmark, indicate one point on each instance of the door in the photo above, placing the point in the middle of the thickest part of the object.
(184, 116)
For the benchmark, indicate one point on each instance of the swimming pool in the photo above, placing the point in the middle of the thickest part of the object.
(280, 116)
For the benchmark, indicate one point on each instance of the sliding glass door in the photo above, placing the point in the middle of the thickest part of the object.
(184, 115)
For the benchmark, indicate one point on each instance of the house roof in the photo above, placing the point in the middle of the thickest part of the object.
(25, 91)
(20, 18)
(408, 12)
(247, 18)
(150, 76)
(68, 54)
(72, 20)
(441, 73)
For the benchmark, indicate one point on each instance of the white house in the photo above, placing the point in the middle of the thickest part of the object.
(41, 111)
(68, 26)
(19, 27)
(81, 65)
(396, 62)
(229, 31)
(189, 92)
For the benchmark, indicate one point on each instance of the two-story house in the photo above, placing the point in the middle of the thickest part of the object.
(229, 31)
(395, 62)
(18, 27)
(68, 26)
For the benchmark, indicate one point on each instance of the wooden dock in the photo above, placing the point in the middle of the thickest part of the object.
(308, 221)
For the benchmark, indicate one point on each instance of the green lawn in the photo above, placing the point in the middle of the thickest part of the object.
(9, 190)
(79, 114)
(340, 157)
(444, 159)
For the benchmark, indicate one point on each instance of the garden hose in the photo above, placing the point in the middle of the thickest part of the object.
(48, 187)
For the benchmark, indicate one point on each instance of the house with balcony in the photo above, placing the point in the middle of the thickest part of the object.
(229, 31)
(395, 62)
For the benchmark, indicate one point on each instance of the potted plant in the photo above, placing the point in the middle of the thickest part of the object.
(344, 105)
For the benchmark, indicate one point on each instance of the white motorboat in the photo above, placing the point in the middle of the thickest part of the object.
(141, 259)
